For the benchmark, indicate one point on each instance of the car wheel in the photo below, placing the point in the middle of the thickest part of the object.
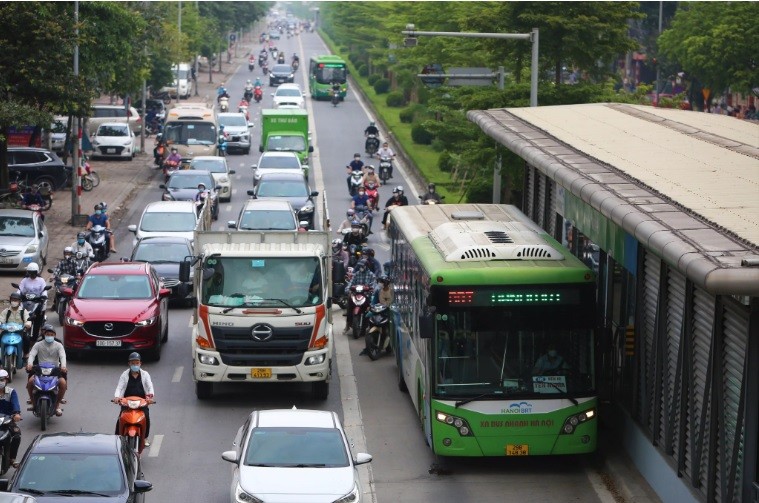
(247, 151)
(46, 184)
(165, 336)
(203, 390)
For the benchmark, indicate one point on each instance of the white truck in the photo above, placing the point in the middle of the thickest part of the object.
(263, 308)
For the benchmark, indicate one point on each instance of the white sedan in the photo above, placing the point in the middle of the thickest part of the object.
(287, 455)
(289, 96)
(114, 139)
(219, 170)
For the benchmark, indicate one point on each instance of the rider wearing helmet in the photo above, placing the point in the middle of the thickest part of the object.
(81, 245)
(371, 129)
(135, 381)
(201, 192)
(101, 218)
(371, 177)
(371, 262)
(345, 225)
(339, 253)
(32, 196)
(385, 294)
(431, 195)
(10, 406)
(355, 165)
(48, 350)
(15, 312)
(397, 199)
(33, 283)
(362, 275)
(67, 265)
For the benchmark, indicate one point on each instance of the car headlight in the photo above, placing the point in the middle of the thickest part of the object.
(352, 497)
(145, 323)
(167, 197)
(127, 143)
(31, 248)
(224, 179)
(73, 322)
(243, 497)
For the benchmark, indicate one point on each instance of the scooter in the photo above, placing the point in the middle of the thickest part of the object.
(431, 201)
(133, 422)
(11, 344)
(258, 94)
(372, 144)
(360, 297)
(44, 393)
(251, 63)
(33, 305)
(335, 96)
(363, 215)
(169, 167)
(338, 282)
(384, 169)
(5, 442)
(98, 239)
(65, 285)
(378, 335)
(373, 192)
(357, 178)
(247, 95)
(223, 104)
(295, 65)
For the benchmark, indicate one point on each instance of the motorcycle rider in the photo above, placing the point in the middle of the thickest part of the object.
(67, 265)
(385, 294)
(104, 207)
(257, 83)
(33, 283)
(350, 217)
(10, 406)
(363, 200)
(371, 129)
(339, 252)
(135, 381)
(101, 219)
(15, 313)
(32, 196)
(372, 263)
(371, 176)
(355, 165)
(362, 275)
(202, 192)
(386, 151)
(82, 246)
(48, 350)
(431, 195)
(397, 199)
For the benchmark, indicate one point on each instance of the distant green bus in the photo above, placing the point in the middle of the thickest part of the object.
(322, 72)
(495, 332)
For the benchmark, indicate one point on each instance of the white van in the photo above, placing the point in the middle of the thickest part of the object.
(185, 81)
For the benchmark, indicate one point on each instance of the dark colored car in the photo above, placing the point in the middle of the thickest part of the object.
(37, 165)
(165, 254)
(280, 74)
(92, 467)
(183, 186)
(118, 307)
(291, 187)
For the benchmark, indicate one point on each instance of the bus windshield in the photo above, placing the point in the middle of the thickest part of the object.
(190, 133)
(328, 74)
(491, 353)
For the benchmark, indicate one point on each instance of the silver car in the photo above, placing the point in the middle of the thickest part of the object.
(219, 170)
(23, 239)
(278, 162)
(236, 129)
(287, 455)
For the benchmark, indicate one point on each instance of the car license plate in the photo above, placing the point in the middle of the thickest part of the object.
(110, 150)
(109, 343)
(517, 450)
(6, 261)
(260, 373)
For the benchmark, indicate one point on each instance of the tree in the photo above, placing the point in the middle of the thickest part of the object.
(716, 43)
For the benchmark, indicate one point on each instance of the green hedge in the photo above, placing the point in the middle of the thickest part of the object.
(382, 86)
(395, 99)
(420, 135)
(363, 70)
(371, 79)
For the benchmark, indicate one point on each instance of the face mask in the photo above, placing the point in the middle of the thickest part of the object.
(553, 353)
(15, 303)
(2, 384)
(134, 368)
(32, 275)
(361, 193)
(98, 212)
(80, 241)
(49, 339)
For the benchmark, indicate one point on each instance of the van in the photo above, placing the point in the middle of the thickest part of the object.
(100, 114)
(191, 128)
(185, 81)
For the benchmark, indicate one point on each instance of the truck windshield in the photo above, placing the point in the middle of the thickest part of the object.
(262, 282)
(286, 143)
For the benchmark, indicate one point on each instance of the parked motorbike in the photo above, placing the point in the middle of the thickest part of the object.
(378, 334)
(33, 305)
(98, 239)
(133, 422)
(371, 145)
(360, 298)
(5, 442)
(384, 169)
(357, 178)
(12, 348)
(258, 94)
(44, 393)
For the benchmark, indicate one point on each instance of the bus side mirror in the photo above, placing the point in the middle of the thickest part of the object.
(426, 326)
(184, 271)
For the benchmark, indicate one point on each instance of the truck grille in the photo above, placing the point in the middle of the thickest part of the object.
(237, 347)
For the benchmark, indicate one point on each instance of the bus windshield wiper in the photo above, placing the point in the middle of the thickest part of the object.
(558, 388)
(478, 397)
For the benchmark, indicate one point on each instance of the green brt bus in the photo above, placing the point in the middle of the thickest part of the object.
(495, 332)
(322, 72)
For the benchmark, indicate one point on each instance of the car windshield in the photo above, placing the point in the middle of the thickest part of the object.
(190, 181)
(263, 220)
(281, 69)
(296, 447)
(160, 221)
(277, 188)
(279, 162)
(286, 143)
(115, 286)
(212, 165)
(113, 131)
(16, 226)
(240, 281)
(287, 92)
(190, 133)
(233, 120)
(48, 472)
(160, 252)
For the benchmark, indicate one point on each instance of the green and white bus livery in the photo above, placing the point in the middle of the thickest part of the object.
(322, 72)
(495, 339)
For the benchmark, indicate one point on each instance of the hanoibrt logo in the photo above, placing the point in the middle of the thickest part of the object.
(518, 408)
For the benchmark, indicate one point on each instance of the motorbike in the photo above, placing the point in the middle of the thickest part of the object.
(98, 239)
(248, 94)
(159, 151)
(338, 282)
(373, 192)
(222, 93)
(430, 201)
(161, 95)
(384, 169)
(363, 214)
(5, 442)
(244, 110)
(378, 334)
(357, 178)
(335, 95)
(65, 285)
(251, 63)
(360, 298)
(258, 94)
(265, 68)
(169, 167)
(33, 305)
(224, 104)
(44, 393)
(153, 127)
(371, 145)
(222, 145)
(295, 65)
(133, 422)
(12, 347)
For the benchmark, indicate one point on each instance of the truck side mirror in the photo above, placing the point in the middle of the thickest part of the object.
(184, 271)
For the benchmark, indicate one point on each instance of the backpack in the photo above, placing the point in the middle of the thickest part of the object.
(8, 314)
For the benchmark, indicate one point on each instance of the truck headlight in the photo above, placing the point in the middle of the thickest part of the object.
(315, 360)
(207, 359)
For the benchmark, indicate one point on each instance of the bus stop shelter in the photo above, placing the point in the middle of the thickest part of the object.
(664, 205)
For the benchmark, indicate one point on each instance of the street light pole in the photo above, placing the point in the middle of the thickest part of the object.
(179, 43)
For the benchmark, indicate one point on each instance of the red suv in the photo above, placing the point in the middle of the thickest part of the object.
(118, 306)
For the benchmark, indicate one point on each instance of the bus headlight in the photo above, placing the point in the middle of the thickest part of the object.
(457, 422)
(574, 420)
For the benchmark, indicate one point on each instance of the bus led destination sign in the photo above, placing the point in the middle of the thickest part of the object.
(514, 296)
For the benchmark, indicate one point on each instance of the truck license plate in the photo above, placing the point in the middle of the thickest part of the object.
(108, 343)
(260, 373)
(517, 450)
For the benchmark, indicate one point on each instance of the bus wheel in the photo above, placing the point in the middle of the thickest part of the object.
(401, 383)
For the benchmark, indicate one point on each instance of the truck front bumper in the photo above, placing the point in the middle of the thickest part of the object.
(216, 371)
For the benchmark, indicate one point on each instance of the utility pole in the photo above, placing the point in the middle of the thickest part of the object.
(179, 44)
(76, 144)
(658, 70)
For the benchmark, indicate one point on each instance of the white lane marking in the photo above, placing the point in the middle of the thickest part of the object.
(177, 374)
(155, 446)
(189, 322)
(229, 206)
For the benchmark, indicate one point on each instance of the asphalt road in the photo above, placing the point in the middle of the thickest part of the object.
(184, 461)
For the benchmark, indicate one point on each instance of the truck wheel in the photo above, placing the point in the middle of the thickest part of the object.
(320, 390)
(203, 390)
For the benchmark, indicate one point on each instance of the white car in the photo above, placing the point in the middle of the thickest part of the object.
(287, 455)
(289, 96)
(114, 139)
(278, 162)
(236, 129)
(219, 170)
(166, 218)
(23, 239)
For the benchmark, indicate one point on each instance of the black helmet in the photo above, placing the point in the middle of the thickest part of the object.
(383, 279)
(81, 235)
(369, 251)
(47, 327)
(16, 296)
(361, 263)
(98, 206)
(134, 356)
(431, 186)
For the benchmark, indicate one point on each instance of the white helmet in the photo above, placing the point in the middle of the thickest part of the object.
(33, 267)
(3, 374)
(68, 249)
